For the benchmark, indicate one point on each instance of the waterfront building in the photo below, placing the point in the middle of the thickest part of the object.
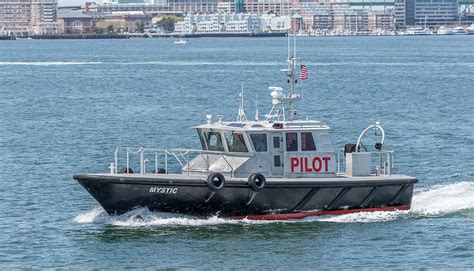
(399, 13)
(279, 7)
(380, 20)
(436, 12)
(15, 17)
(342, 18)
(243, 23)
(44, 17)
(126, 21)
(431, 12)
(201, 6)
(297, 24)
(352, 20)
(28, 17)
(317, 16)
(226, 7)
(209, 24)
(231, 23)
(75, 22)
(130, 7)
(184, 27)
(272, 23)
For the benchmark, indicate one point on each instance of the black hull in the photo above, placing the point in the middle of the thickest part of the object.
(278, 200)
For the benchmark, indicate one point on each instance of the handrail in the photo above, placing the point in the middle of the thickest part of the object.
(384, 160)
(382, 166)
(376, 126)
(180, 155)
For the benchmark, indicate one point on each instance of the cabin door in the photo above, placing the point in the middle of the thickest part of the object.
(276, 147)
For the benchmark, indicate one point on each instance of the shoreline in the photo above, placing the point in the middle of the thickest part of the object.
(190, 36)
(145, 35)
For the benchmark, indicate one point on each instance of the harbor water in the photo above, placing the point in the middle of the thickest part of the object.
(65, 105)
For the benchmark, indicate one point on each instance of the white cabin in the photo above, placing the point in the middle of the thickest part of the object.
(279, 149)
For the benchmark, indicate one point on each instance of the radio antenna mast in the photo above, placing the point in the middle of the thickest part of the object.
(241, 116)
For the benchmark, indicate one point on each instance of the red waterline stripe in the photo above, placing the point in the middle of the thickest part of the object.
(306, 214)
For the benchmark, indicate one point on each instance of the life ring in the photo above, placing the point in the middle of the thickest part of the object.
(215, 181)
(257, 182)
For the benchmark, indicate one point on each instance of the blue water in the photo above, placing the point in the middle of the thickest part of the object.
(65, 105)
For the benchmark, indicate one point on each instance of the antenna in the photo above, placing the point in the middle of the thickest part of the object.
(294, 47)
(241, 116)
(288, 35)
(256, 108)
(281, 99)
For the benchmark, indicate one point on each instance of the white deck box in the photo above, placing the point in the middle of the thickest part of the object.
(358, 164)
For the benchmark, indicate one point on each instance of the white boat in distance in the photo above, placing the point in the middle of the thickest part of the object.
(470, 30)
(459, 30)
(444, 31)
(418, 31)
(181, 41)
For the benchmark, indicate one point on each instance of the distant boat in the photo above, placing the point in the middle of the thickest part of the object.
(418, 31)
(444, 31)
(459, 30)
(181, 41)
(470, 30)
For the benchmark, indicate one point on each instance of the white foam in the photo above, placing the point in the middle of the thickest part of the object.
(365, 217)
(145, 218)
(90, 216)
(198, 63)
(48, 63)
(444, 199)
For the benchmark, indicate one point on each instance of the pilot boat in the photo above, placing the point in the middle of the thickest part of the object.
(277, 168)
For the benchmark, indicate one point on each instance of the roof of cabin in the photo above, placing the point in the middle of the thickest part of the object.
(266, 125)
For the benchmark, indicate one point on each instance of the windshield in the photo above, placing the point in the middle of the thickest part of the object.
(235, 142)
(213, 141)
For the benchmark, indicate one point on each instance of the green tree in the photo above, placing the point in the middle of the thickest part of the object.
(167, 24)
(110, 29)
(139, 27)
(96, 30)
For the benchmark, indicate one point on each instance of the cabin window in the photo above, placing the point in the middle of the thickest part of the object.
(291, 142)
(201, 138)
(276, 142)
(235, 142)
(277, 161)
(214, 141)
(259, 142)
(307, 142)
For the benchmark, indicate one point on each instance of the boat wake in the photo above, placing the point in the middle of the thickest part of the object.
(438, 201)
(48, 63)
(144, 218)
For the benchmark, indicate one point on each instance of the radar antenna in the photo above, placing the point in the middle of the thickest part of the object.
(282, 99)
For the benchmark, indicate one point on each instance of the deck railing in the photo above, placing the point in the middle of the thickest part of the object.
(382, 162)
(163, 159)
(173, 160)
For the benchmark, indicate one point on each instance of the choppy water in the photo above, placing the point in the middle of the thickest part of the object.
(65, 106)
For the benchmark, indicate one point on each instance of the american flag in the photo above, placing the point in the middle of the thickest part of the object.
(303, 72)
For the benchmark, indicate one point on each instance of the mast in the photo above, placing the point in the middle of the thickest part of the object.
(283, 104)
(291, 79)
(241, 116)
